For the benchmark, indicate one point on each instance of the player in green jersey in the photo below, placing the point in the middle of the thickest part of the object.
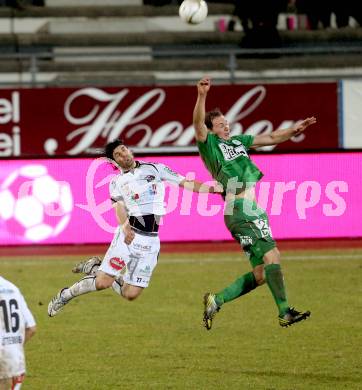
(227, 159)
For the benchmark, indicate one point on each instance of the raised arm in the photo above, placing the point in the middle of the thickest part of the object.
(196, 186)
(122, 218)
(282, 135)
(203, 87)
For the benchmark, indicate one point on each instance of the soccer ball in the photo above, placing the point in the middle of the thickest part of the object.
(193, 11)
(33, 205)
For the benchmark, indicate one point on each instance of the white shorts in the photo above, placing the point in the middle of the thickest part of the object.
(12, 361)
(135, 261)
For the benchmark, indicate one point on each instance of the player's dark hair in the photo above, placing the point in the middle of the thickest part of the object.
(109, 148)
(210, 116)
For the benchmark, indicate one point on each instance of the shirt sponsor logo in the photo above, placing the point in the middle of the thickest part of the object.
(231, 153)
(149, 178)
(146, 248)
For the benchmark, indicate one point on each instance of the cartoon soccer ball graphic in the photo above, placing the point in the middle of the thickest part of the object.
(33, 205)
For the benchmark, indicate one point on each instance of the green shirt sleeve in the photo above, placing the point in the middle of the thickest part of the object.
(246, 140)
(203, 145)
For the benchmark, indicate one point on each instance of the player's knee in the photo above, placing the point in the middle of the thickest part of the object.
(277, 254)
(131, 292)
(259, 278)
(259, 275)
(130, 295)
(103, 283)
(272, 257)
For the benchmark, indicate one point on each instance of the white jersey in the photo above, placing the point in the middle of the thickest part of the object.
(142, 189)
(15, 317)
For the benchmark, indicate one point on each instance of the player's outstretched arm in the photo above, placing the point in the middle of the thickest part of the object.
(282, 135)
(203, 87)
(196, 186)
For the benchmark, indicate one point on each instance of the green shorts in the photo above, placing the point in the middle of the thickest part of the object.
(249, 225)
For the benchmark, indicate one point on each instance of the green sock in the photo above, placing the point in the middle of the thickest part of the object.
(240, 287)
(275, 281)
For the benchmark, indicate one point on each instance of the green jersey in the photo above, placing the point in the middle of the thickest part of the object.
(228, 161)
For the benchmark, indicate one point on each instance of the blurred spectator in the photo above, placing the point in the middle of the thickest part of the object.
(317, 11)
(259, 19)
(343, 11)
(357, 13)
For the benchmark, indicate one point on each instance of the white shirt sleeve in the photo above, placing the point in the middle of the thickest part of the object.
(28, 317)
(113, 191)
(169, 175)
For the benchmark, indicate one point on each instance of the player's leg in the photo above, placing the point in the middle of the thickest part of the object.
(241, 286)
(109, 270)
(130, 292)
(85, 285)
(263, 247)
(262, 250)
(249, 225)
(240, 228)
(141, 258)
(275, 280)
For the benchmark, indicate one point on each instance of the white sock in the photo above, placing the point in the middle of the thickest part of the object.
(83, 286)
(117, 285)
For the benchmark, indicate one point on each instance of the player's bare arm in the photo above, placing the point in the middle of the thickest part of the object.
(122, 218)
(196, 186)
(203, 87)
(29, 333)
(282, 135)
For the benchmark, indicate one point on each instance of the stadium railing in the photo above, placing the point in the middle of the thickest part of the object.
(227, 63)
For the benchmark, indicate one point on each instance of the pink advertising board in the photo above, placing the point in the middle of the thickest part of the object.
(66, 200)
(63, 122)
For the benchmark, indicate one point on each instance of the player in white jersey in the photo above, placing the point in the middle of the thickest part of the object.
(138, 195)
(17, 325)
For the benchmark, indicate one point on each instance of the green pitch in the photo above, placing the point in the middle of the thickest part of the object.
(100, 341)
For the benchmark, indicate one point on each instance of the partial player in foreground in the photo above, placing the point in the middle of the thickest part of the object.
(17, 326)
(138, 195)
(227, 160)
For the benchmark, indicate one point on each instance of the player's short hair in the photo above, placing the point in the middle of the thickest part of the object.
(210, 116)
(109, 148)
